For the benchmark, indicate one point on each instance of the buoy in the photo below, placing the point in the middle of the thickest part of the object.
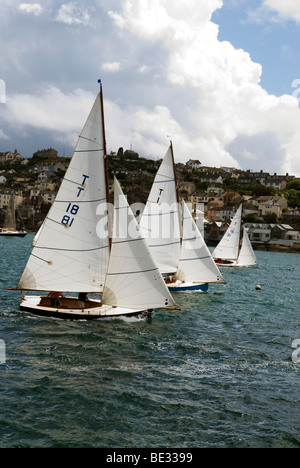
(258, 287)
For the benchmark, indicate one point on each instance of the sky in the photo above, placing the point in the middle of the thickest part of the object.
(221, 78)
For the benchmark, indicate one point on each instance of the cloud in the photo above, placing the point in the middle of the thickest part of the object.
(287, 9)
(73, 13)
(111, 67)
(230, 100)
(31, 8)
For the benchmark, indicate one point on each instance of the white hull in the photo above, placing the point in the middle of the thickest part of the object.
(94, 310)
(13, 233)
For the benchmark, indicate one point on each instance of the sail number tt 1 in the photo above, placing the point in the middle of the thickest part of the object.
(72, 209)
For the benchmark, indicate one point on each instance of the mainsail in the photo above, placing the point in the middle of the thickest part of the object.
(196, 263)
(69, 254)
(10, 217)
(160, 222)
(247, 256)
(228, 247)
(133, 279)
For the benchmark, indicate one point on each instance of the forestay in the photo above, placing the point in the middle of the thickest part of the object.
(196, 263)
(68, 255)
(160, 222)
(133, 279)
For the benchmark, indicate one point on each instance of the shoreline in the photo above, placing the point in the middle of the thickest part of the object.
(295, 249)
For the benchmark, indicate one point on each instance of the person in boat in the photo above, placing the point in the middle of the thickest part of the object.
(55, 298)
(83, 297)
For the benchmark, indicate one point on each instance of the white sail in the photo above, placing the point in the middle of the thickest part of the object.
(228, 247)
(10, 217)
(247, 256)
(133, 279)
(160, 222)
(196, 263)
(69, 255)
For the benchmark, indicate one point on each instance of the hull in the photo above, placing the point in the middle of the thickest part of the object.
(72, 309)
(226, 263)
(235, 264)
(13, 234)
(181, 287)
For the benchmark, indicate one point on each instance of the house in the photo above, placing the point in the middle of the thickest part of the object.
(279, 234)
(188, 187)
(194, 164)
(10, 157)
(48, 197)
(270, 205)
(2, 179)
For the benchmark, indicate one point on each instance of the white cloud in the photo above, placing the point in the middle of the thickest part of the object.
(112, 67)
(287, 9)
(31, 8)
(229, 98)
(73, 13)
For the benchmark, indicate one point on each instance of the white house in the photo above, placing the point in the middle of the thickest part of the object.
(194, 164)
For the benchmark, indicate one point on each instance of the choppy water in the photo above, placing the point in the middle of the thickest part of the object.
(217, 374)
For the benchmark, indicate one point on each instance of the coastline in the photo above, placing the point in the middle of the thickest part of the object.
(295, 249)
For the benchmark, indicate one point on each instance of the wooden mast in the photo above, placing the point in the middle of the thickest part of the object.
(105, 164)
(177, 192)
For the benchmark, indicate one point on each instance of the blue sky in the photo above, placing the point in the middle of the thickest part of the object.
(217, 76)
(272, 43)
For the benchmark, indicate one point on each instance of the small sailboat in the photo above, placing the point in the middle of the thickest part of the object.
(173, 237)
(9, 227)
(74, 253)
(228, 252)
(196, 265)
(247, 256)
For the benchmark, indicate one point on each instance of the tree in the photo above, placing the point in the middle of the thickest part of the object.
(271, 218)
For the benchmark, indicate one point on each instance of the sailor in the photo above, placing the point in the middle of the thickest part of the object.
(55, 298)
(83, 297)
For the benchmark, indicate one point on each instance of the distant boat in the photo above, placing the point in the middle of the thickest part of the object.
(72, 254)
(9, 227)
(228, 252)
(173, 237)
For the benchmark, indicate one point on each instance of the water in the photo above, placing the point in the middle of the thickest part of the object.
(217, 374)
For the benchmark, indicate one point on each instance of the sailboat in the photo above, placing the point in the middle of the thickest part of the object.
(196, 265)
(173, 237)
(228, 252)
(74, 253)
(9, 227)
